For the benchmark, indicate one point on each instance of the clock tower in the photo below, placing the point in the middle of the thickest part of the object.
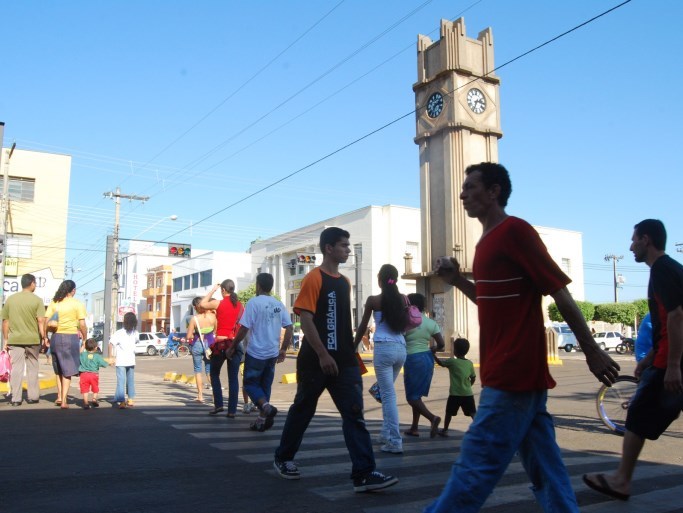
(458, 124)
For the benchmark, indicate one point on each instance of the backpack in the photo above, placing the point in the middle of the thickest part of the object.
(413, 316)
(5, 366)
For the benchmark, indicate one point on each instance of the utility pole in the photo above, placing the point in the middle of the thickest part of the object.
(111, 277)
(5, 212)
(614, 258)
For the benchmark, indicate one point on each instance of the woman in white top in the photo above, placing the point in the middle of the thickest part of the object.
(388, 310)
(122, 351)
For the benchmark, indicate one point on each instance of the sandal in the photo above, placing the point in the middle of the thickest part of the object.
(410, 432)
(216, 410)
(58, 402)
(435, 427)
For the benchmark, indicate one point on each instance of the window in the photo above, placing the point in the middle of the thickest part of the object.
(186, 282)
(301, 269)
(206, 278)
(195, 280)
(20, 189)
(160, 282)
(292, 270)
(159, 306)
(567, 266)
(19, 245)
(177, 284)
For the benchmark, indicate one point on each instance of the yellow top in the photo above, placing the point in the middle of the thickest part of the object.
(70, 311)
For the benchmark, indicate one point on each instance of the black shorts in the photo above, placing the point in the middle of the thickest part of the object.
(466, 402)
(652, 408)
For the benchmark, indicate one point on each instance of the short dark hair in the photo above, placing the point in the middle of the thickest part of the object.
(265, 281)
(654, 229)
(461, 346)
(90, 344)
(418, 300)
(494, 174)
(331, 236)
(27, 280)
(130, 322)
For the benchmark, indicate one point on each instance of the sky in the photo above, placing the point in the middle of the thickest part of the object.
(202, 105)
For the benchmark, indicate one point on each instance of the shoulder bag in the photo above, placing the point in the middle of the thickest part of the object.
(207, 350)
(413, 315)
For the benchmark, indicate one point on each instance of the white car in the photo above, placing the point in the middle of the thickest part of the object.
(150, 343)
(608, 339)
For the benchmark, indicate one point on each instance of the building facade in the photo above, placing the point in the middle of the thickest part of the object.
(157, 294)
(38, 193)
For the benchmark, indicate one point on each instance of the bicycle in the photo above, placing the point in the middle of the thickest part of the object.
(180, 349)
(612, 403)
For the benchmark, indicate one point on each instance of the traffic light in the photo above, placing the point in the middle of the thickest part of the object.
(180, 250)
(305, 258)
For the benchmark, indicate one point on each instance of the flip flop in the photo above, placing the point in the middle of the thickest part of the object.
(435, 427)
(603, 486)
(443, 432)
(411, 433)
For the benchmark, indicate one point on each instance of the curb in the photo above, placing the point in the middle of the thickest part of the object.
(49, 381)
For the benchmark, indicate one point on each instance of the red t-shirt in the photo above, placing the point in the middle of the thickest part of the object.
(227, 315)
(512, 271)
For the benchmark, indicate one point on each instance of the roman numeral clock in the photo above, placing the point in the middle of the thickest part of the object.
(457, 124)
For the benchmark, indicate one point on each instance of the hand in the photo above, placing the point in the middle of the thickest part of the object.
(281, 356)
(672, 380)
(230, 351)
(602, 366)
(447, 268)
(640, 367)
(328, 365)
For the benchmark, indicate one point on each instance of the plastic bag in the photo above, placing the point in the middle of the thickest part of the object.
(5, 366)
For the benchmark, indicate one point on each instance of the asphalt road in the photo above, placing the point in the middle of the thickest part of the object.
(168, 455)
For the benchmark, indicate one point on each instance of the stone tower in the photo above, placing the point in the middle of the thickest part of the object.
(457, 124)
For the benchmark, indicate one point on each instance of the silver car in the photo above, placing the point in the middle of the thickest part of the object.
(565, 338)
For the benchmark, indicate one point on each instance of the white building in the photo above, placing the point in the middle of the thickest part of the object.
(379, 235)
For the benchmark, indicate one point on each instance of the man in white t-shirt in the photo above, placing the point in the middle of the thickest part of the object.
(264, 317)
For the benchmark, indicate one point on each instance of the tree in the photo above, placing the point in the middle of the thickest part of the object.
(587, 310)
(642, 308)
(246, 294)
(623, 313)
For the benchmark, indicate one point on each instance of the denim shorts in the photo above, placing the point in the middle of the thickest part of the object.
(198, 357)
(652, 409)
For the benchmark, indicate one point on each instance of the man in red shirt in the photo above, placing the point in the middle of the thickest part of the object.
(512, 271)
(659, 398)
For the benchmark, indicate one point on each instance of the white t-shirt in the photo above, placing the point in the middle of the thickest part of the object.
(265, 317)
(124, 347)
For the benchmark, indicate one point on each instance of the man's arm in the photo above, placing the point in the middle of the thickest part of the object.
(599, 362)
(363, 324)
(286, 341)
(327, 363)
(41, 327)
(448, 269)
(674, 327)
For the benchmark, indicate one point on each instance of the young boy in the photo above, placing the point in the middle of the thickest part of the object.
(462, 377)
(91, 361)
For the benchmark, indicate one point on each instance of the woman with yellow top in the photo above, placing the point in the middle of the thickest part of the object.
(66, 343)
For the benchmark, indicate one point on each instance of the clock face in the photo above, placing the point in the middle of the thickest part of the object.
(435, 105)
(476, 100)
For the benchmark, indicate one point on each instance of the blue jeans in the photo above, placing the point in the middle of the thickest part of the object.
(346, 390)
(388, 359)
(125, 377)
(197, 352)
(505, 423)
(217, 360)
(258, 377)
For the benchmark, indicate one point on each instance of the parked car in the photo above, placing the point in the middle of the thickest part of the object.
(150, 343)
(565, 338)
(608, 339)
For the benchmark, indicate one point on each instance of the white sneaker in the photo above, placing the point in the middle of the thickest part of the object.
(381, 440)
(392, 448)
(248, 408)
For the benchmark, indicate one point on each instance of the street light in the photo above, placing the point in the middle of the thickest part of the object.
(169, 218)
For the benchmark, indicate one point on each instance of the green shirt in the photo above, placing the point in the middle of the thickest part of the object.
(417, 340)
(22, 311)
(91, 362)
(460, 370)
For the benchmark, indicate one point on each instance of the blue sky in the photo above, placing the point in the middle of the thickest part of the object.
(200, 105)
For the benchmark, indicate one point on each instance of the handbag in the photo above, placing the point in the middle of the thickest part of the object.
(207, 350)
(53, 322)
(5, 366)
(413, 316)
(375, 393)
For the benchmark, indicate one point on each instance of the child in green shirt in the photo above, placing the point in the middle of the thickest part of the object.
(462, 377)
(91, 361)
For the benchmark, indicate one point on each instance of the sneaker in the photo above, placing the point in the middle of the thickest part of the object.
(373, 481)
(248, 408)
(95, 404)
(287, 469)
(381, 440)
(392, 448)
(122, 406)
